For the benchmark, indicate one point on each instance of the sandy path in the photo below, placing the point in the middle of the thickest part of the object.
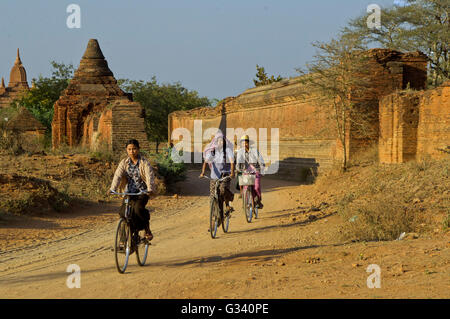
(283, 254)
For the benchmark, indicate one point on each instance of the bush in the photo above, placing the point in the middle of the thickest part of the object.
(171, 172)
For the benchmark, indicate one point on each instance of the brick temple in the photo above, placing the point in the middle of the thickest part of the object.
(23, 121)
(94, 111)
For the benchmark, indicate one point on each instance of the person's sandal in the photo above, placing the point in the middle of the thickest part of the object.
(148, 236)
(229, 211)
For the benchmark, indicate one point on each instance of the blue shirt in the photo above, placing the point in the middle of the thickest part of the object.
(135, 181)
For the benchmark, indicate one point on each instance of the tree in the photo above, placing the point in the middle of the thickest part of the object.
(158, 101)
(262, 78)
(336, 80)
(39, 100)
(421, 25)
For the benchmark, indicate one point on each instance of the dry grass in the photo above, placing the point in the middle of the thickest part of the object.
(379, 202)
(28, 195)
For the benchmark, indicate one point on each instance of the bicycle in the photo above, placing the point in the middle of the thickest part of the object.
(216, 215)
(127, 241)
(247, 180)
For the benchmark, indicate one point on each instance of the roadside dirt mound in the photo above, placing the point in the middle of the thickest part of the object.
(21, 195)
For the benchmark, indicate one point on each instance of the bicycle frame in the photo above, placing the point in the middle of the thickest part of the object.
(217, 184)
(127, 201)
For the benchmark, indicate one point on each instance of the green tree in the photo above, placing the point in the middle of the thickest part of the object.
(421, 25)
(40, 99)
(159, 100)
(262, 78)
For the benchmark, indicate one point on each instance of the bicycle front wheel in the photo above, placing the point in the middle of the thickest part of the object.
(214, 218)
(122, 245)
(226, 222)
(248, 204)
(141, 248)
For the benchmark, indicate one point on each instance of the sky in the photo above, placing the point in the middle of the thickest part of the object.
(210, 46)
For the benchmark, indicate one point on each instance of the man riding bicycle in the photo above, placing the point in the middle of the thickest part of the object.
(134, 174)
(219, 155)
(249, 159)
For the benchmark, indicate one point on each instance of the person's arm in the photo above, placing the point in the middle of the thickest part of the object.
(262, 165)
(232, 169)
(203, 169)
(231, 159)
(150, 174)
(118, 176)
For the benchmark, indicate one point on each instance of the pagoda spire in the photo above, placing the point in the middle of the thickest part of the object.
(18, 61)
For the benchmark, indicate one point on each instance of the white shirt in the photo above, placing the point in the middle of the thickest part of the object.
(253, 157)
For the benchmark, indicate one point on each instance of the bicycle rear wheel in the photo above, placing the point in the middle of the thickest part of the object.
(122, 245)
(226, 222)
(214, 218)
(141, 248)
(248, 204)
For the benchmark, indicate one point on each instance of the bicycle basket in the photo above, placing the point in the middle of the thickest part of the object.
(246, 180)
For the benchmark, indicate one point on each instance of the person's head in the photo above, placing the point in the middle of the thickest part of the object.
(245, 140)
(132, 147)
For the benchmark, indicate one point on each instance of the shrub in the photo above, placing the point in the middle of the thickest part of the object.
(171, 172)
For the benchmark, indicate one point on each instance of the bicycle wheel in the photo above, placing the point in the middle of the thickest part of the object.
(255, 208)
(226, 222)
(141, 248)
(214, 218)
(248, 204)
(122, 245)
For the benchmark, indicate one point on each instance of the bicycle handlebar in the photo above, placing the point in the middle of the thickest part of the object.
(128, 194)
(220, 179)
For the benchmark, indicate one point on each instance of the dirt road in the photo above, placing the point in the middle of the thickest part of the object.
(289, 252)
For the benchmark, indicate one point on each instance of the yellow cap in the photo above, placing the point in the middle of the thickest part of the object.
(245, 138)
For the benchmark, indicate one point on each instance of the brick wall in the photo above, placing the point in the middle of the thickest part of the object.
(414, 125)
(399, 119)
(308, 136)
(434, 124)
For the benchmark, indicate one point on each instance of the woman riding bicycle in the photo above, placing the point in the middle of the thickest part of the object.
(219, 155)
(134, 174)
(249, 159)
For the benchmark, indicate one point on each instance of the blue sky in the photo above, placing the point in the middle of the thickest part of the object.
(211, 46)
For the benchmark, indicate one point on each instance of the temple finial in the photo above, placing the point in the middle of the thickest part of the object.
(3, 83)
(18, 61)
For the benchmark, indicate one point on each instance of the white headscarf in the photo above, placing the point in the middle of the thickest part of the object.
(215, 144)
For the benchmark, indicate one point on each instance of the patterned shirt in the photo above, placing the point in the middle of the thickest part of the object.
(135, 181)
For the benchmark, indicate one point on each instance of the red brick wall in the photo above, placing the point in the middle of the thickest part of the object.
(308, 133)
(399, 119)
(434, 123)
(414, 125)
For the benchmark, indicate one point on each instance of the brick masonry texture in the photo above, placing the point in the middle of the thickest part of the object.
(415, 125)
(308, 136)
(93, 111)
